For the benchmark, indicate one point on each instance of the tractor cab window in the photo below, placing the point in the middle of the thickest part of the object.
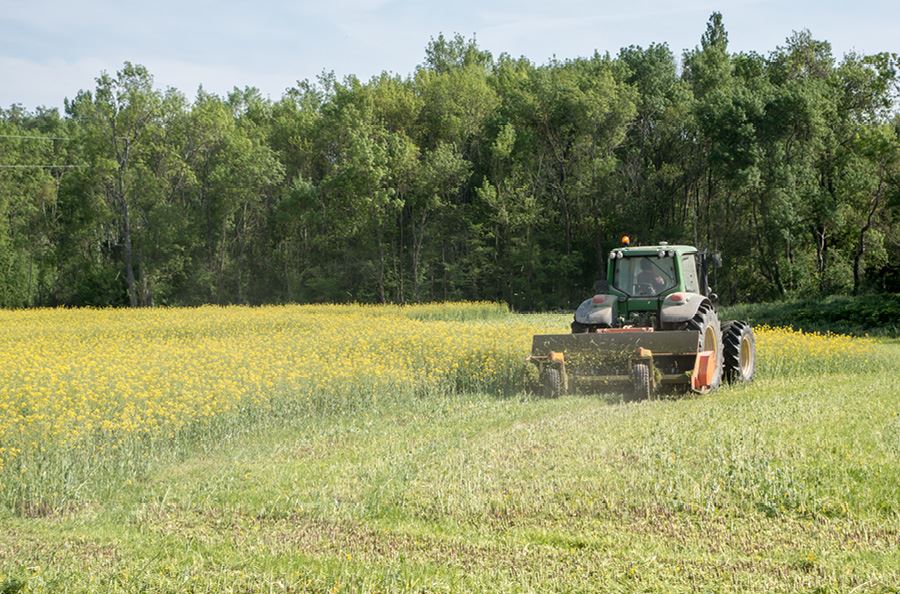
(645, 276)
(689, 271)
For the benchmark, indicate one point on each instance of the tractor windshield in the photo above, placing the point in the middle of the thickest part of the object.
(645, 276)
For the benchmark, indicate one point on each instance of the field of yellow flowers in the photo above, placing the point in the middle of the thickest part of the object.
(86, 391)
(360, 448)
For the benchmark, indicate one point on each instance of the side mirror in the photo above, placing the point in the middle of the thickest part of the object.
(601, 286)
(716, 260)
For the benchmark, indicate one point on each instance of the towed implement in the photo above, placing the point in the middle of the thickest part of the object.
(652, 325)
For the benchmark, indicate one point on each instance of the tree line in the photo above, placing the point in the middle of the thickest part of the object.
(473, 177)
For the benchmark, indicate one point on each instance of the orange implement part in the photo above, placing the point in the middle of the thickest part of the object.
(643, 353)
(557, 357)
(704, 370)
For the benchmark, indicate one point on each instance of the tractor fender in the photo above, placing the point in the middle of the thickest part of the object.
(681, 307)
(599, 309)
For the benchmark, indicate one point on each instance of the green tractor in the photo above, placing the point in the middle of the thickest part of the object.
(651, 325)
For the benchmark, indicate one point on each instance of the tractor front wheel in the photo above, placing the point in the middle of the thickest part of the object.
(640, 379)
(551, 381)
(740, 351)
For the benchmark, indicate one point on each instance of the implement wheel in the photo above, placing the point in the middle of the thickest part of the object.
(551, 382)
(740, 351)
(640, 381)
(706, 322)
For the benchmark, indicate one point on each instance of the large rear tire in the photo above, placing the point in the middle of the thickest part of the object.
(551, 381)
(640, 380)
(739, 351)
(706, 322)
(579, 328)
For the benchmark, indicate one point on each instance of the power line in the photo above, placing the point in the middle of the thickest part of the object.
(40, 166)
(26, 137)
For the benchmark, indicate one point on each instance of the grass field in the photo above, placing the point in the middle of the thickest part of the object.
(398, 449)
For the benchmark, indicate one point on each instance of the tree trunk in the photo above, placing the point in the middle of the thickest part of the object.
(399, 269)
(380, 239)
(418, 241)
(820, 232)
(127, 254)
(120, 200)
(242, 248)
(861, 241)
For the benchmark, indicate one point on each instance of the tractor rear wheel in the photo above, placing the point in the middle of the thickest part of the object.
(739, 350)
(551, 381)
(640, 380)
(579, 328)
(706, 322)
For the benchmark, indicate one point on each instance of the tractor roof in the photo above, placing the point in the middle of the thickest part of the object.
(652, 250)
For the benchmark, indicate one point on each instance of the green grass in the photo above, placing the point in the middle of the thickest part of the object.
(875, 315)
(457, 312)
(787, 484)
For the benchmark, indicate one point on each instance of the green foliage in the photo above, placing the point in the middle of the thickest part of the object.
(12, 585)
(877, 315)
(473, 177)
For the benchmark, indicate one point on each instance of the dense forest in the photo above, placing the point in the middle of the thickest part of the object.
(473, 177)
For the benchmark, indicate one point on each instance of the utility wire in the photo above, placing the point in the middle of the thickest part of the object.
(40, 166)
(32, 137)
(26, 137)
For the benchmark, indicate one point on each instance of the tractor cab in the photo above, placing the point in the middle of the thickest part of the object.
(640, 281)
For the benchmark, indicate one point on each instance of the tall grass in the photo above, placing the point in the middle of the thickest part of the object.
(89, 398)
(86, 395)
(457, 312)
(337, 448)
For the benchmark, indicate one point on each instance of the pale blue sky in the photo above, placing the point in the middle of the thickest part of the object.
(51, 49)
